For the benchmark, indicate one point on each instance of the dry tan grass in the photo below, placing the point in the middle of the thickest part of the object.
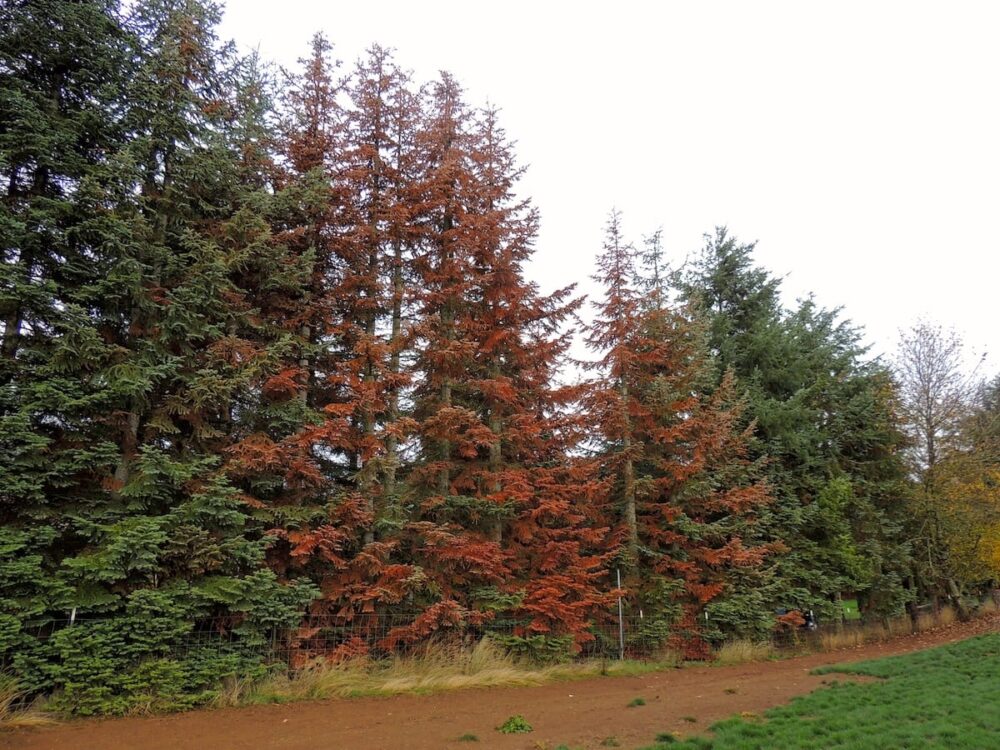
(435, 668)
(742, 651)
(235, 691)
(947, 616)
(896, 627)
(925, 621)
(987, 607)
(847, 638)
(883, 631)
(13, 715)
(929, 620)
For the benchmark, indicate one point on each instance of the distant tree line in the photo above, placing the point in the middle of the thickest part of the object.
(269, 352)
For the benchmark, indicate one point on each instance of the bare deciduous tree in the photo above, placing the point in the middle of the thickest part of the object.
(936, 394)
(935, 389)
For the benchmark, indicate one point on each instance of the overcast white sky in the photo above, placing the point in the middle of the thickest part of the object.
(858, 142)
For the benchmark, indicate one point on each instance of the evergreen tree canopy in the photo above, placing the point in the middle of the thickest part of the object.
(274, 375)
(823, 416)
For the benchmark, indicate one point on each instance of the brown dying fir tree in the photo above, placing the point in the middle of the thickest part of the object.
(525, 473)
(673, 456)
(496, 528)
(452, 554)
(321, 521)
(381, 169)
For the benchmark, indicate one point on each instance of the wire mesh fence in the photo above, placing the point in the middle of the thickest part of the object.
(333, 638)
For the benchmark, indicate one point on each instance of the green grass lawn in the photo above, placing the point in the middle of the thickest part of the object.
(851, 612)
(945, 697)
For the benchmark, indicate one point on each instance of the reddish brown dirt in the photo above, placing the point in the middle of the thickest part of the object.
(579, 713)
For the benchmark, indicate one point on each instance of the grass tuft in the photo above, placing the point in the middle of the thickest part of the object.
(665, 738)
(947, 616)
(235, 691)
(15, 711)
(895, 628)
(742, 651)
(636, 702)
(468, 737)
(988, 606)
(833, 640)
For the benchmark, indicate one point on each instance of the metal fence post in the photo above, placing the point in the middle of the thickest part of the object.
(621, 620)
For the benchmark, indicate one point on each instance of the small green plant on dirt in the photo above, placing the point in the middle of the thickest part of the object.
(665, 738)
(636, 702)
(468, 737)
(516, 724)
(610, 742)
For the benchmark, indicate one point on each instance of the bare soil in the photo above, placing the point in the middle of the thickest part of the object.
(578, 713)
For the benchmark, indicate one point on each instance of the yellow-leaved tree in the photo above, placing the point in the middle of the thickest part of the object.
(952, 422)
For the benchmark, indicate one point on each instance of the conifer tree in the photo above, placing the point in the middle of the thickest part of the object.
(344, 208)
(524, 472)
(823, 418)
(611, 335)
(380, 171)
(322, 516)
(447, 536)
(61, 147)
(673, 455)
(152, 536)
(190, 311)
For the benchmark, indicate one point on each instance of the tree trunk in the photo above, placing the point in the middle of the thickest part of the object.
(444, 446)
(628, 480)
(395, 335)
(129, 447)
(366, 481)
(956, 596)
(11, 332)
(447, 325)
(496, 525)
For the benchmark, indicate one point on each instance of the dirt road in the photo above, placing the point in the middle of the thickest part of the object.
(580, 714)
